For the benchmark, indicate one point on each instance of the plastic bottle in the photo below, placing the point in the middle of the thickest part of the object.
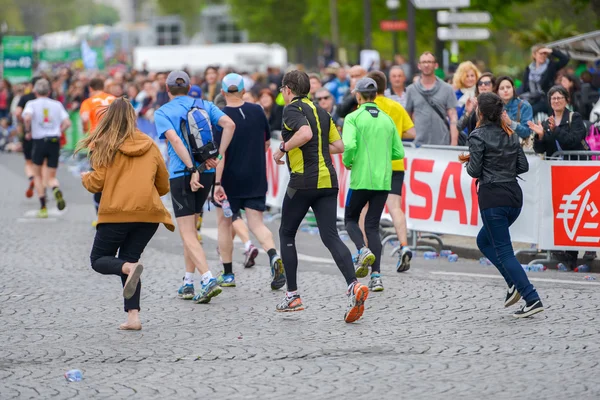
(582, 268)
(484, 261)
(226, 209)
(453, 258)
(445, 253)
(534, 268)
(73, 375)
(430, 255)
(589, 278)
(562, 267)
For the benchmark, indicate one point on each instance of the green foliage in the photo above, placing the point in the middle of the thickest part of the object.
(188, 10)
(11, 15)
(544, 30)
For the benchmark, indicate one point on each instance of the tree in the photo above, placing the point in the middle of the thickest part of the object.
(11, 15)
(544, 30)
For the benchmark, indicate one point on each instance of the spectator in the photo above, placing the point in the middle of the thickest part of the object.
(518, 113)
(132, 94)
(464, 81)
(211, 87)
(315, 84)
(6, 95)
(468, 122)
(431, 102)
(275, 76)
(400, 61)
(540, 74)
(324, 99)
(397, 92)
(273, 110)
(162, 94)
(249, 97)
(571, 83)
(349, 103)
(340, 85)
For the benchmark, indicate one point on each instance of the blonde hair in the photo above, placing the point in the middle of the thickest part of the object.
(535, 48)
(461, 72)
(117, 124)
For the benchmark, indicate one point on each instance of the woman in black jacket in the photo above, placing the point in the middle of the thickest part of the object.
(563, 130)
(496, 159)
(540, 75)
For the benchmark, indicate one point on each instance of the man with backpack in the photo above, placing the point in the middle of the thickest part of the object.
(187, 124)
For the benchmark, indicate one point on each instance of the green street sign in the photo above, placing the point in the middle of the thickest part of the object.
(17, 58)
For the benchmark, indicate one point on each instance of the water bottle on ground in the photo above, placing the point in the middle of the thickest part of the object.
(534, 268)
(583, 268)
(589, 278)
(445, 253)
(73, 375)
(484, 261)
(562, 267)
(226, 209)
(453, 258)
(430, 255)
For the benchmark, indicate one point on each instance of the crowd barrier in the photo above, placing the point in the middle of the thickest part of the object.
(561, 199)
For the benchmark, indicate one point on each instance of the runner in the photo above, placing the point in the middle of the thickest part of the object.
(310, 137)
(45, 119)
(91, 113)
(406, 130)
(27, 143)
(371, 142)
(184, 175)
(242, 179)
(130, 168)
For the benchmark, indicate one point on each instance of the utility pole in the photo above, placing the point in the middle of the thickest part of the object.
(367, 23)
(335, 30)
(412, 37)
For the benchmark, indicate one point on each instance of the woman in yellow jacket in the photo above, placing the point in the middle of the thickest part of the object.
(130, 172)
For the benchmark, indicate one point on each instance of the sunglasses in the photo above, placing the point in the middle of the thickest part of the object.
(323, 98)
(485, 83)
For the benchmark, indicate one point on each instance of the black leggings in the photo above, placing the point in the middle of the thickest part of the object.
(324, 204)
(130, 239)
(355, 202)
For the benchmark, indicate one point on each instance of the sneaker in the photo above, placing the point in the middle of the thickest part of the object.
(29, 191)
(43, 213)
(512, 296)
(357, 295)
(251, 255)
(226, 280)
(186, 291)
(376, 284)
(199, 223)
(200, 237)
(94, 223)
(277, 273)
(366, 258)
(404, 260)
(529, 310)
(60, 201)
(207, 292)
(289, 304)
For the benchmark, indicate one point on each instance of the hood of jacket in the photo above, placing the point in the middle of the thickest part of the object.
(421, 89)
(136, 146)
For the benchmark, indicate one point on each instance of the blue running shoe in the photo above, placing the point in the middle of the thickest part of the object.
(226, 280)
(207, 292)
(186, 292)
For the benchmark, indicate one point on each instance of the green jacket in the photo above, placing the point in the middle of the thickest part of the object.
(371, 142)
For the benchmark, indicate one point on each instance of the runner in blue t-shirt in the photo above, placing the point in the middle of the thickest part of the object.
(242, 179)
(183, 175)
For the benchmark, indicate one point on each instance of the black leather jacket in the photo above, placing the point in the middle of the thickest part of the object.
(495, 156)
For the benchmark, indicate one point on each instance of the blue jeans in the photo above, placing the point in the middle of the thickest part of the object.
(494, 242)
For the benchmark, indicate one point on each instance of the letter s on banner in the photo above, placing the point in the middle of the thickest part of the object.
(277, 177)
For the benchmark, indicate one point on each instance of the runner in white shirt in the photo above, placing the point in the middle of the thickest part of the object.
(45, 120)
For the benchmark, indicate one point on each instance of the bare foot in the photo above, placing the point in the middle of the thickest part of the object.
(132, 281)
(131, 326)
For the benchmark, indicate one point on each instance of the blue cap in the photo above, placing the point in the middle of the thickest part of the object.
(232, 83)
(195, 92)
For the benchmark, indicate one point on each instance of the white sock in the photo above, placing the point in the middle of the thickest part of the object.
(206, 277)
(189, 278)
(248, 244)
(290, 294)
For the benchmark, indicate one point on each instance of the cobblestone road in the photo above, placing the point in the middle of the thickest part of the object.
(437, 332)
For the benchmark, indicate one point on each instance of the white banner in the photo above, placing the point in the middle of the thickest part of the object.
(439, 196)
(570, 218)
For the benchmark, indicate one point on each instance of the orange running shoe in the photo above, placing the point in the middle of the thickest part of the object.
(357, 295)
(288, 304)
(29, 192)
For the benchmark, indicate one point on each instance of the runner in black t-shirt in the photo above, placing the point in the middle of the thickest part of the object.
(26, 139)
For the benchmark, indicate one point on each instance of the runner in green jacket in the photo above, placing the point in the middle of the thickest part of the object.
(371, 142)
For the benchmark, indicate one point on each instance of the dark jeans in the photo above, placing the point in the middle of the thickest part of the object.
(130, 240)
(355, 202)
(324, 204)
(494, 242)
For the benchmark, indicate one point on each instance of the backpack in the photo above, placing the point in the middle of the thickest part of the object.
(593, 140)
(198, 134)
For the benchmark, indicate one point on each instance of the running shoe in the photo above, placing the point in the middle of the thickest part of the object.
(404, 260)
(199, 223)
(200, 237)
(366, 258)
(29, 191)
(251, 255)
(512, 296)
(226, 280)
(186, 291)
(207, 292)
(376, 284)
(357, 295)
(289, 304)
(94, 223)
(529, 309)
(277, 273)
(43, 213)
(60, 201)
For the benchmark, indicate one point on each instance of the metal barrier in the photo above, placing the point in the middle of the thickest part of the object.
(569, 155)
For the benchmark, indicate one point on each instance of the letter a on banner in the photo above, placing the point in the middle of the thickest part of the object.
(452, 173)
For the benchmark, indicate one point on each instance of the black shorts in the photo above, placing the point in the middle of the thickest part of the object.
(46, 149)
(397, 182)
(27, 148)
(253, 203)
(186, 202)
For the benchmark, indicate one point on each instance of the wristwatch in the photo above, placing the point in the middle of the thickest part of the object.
(282, 147)
(191, 170)
(217, 184)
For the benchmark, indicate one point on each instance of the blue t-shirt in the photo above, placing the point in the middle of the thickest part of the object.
(169, 116)
(245, 172)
